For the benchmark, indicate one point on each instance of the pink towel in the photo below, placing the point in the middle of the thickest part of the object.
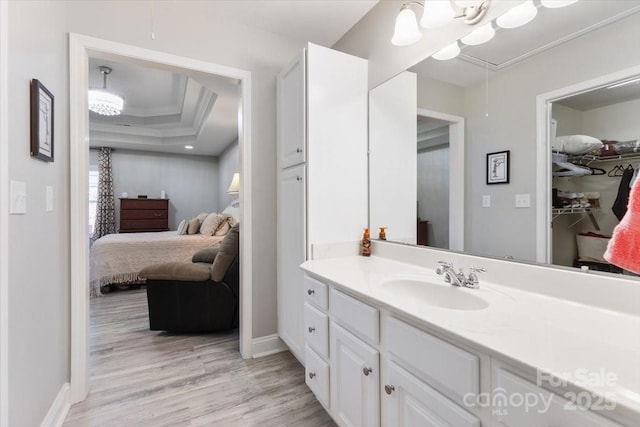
(624, 247)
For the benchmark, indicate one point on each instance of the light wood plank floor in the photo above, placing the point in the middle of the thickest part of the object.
(148, 378)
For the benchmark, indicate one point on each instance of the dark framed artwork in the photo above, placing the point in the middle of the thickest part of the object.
(41, 122)
(498, 167)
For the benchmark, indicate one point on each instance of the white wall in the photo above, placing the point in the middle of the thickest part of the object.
(190, 182)
(228, 164)
(439, 96)
(39, 271)
(194, 29)
(512, 125)
(433, 193)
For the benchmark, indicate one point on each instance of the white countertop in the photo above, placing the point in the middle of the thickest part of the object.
(553, 335)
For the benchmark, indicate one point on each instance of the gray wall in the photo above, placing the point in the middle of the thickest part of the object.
(228, 164)
(190, 182)
(433, 193)
(39, 271)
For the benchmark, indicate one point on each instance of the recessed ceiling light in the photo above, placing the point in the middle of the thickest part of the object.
(189, 147)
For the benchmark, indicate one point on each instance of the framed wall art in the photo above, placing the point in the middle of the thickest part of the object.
(41, 122)
(498, 167)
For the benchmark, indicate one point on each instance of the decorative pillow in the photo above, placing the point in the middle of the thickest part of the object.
(202, 216)
(576, 144)
(223, 229)
(210, 224)
(229, 248)
(206, 255)
(182, 228)
(194, 226)
(233, 209)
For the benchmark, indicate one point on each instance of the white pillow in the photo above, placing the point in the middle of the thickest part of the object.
(210, 224)
(233, 209)
(182, 228)
(202, 216)
(576, 144)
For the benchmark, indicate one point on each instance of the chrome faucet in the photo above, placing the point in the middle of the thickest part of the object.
(459, 279)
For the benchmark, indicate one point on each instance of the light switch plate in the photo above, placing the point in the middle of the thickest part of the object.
(523, 200)
(49, 199)
(486, 201)
(18, 195)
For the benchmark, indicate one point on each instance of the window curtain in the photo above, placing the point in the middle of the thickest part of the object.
(105, 207)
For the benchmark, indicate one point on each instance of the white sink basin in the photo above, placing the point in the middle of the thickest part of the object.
(435, 295)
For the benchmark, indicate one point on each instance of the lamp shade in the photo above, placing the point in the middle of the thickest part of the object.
(437, 13)
(234, 187)
(518, 16)
(447, 52)
(406, 30)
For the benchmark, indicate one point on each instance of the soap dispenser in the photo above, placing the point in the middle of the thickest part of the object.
(365, 244)
(382, 235)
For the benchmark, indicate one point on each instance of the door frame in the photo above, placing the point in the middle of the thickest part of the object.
(456, 175)
(80, 48)
(544, 240)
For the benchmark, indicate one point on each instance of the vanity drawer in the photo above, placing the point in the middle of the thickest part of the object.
(316, 292)
(442, 365)
(540, 407)
(316, 375)
(316, 330)
(357, 316)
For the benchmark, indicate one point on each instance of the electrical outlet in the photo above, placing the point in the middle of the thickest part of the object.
(523, 200)
(486, 201)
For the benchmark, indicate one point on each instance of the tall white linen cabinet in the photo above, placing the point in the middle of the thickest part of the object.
(322, 169)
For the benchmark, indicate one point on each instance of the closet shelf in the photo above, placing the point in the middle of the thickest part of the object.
(586, 159)
(568, 211)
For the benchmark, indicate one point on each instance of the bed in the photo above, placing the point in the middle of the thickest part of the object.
(117, 258)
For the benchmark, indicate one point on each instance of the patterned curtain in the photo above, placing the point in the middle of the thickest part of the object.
(105, 208)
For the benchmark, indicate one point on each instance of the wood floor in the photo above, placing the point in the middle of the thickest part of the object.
(149, 378)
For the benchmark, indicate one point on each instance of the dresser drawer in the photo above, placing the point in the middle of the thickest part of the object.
(144, 214)
(316, 330)
(540, 407)
(440, 364)
(316, 375)
(144, 224)
(316, 292)
(143, 203)
(355, 315)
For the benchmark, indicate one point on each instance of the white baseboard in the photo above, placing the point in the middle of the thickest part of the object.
(59, 408)
(267, 345)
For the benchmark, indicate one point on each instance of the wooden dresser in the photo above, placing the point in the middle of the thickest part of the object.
(138, 215)
(423, 233)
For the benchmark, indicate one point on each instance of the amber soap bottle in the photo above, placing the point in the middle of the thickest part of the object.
(365, 243)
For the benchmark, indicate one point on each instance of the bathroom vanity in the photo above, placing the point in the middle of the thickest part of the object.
(390, 343)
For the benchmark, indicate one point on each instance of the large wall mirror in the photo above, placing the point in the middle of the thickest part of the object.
(457, 112)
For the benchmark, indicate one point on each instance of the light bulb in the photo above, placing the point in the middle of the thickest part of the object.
(406, 31)
(437, 13)
(448, 52)
(480, 35)
(518, 16)
(555, 4)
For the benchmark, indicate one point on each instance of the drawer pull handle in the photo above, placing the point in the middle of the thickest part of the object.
(298, 150)
(311, 329)
(310, 291)
(157, 214)
(389, 389)
(366, 371)
(312, 375)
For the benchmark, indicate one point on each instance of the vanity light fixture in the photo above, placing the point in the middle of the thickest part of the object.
(518, 16)
(102, 101)
(436, 13)
(480, 35)
(555, 4)
(448, 52)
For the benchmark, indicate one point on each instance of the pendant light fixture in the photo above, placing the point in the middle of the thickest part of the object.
(102, 101)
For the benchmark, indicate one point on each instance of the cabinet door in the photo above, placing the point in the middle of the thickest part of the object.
(292, 113)
(408, 402)
(355, 377)
(291, 253)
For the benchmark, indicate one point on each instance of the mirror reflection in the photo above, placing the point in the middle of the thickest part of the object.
(490, 91)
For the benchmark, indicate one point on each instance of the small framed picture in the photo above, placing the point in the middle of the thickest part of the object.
(498, 167)
(41, 122)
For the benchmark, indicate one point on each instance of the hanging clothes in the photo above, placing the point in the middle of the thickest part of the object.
(619, 207)
(634, 177)
(624, 246)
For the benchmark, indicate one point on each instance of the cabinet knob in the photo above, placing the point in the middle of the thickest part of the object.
(311, 329)
(298, 178)
(312, 375)
(366, 371)
(311, 291)
(389, 389)
(298, 150)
